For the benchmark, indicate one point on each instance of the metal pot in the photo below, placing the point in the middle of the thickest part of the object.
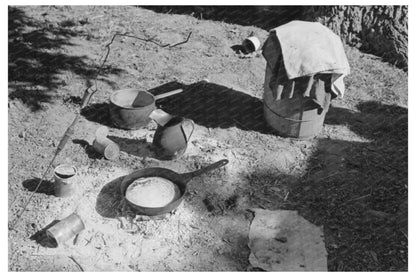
(125, 115)
(179, 180)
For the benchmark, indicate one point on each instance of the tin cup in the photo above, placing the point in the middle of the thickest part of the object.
(251, 44)
(106, 147)
(66, 229)
(103, 145)
(64, 180)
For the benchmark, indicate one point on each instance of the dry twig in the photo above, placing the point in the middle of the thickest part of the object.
(75, 261)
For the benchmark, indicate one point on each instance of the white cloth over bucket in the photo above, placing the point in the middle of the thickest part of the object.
(284, 241)
(309, 48)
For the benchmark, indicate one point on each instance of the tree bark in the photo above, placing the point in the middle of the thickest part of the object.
(380, 30)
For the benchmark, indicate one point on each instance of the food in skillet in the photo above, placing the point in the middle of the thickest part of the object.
(152, 192)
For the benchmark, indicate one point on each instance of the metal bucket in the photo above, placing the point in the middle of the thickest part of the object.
(290, 118)
(295, 116)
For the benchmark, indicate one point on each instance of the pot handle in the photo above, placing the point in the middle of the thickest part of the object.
(190, 175)
(167, 94)
(193, 127)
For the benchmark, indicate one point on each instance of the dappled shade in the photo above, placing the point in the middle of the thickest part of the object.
(36, 58)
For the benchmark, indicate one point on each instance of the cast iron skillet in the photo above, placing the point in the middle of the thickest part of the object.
(178, 179)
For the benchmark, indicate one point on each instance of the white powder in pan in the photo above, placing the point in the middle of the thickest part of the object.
(152, 192)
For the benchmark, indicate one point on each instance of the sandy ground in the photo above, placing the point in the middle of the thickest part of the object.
(50, 70)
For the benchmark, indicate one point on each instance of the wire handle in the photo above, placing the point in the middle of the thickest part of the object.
(193, 128)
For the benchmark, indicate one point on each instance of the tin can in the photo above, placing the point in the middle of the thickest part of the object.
(66, 229)
(108, 148)
(64, 180)
(251, 44)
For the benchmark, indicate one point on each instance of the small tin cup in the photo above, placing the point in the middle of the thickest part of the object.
(64, 180)
(251, 44)
(66, 229)
(103, 145)
(106, 147)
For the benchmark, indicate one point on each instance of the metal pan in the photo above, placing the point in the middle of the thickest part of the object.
(126, 116)
(178, 179)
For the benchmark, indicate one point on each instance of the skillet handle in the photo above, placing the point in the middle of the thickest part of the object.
(188, 176)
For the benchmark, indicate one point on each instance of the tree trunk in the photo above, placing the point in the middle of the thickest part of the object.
(380, 30)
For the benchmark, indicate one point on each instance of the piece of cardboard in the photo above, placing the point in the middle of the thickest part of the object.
(284, 241)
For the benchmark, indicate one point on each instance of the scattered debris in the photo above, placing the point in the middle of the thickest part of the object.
(208, 204)
(75, 241)
(281, 239)
(77, 263)
(227, 241)
(373, 215)
(231, 202)
(193, 226)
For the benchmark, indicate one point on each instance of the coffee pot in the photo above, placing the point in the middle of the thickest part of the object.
(171, 140)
